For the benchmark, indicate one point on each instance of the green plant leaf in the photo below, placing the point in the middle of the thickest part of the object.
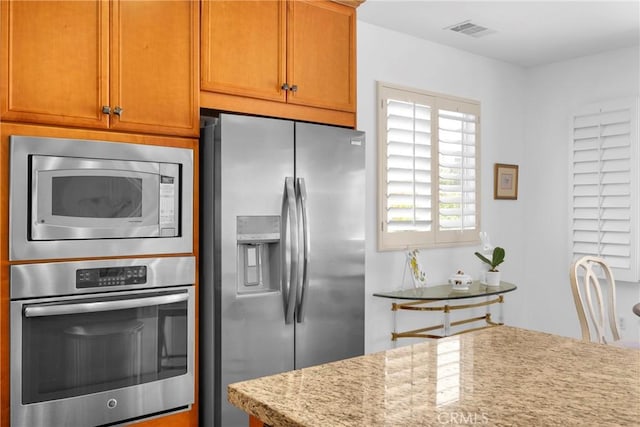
(497, 258)
(483, 258)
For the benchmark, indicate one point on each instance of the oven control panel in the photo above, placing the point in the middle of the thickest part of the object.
(110, 276)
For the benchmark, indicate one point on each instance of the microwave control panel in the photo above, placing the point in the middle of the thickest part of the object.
(110, 276)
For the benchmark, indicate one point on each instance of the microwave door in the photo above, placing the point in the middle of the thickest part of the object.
(93, 199)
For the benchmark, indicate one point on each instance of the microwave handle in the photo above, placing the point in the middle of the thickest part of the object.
(89, 307)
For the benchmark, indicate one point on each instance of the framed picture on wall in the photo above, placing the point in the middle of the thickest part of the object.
(505, 181)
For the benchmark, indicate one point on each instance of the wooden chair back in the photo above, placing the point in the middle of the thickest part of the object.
(590, 278)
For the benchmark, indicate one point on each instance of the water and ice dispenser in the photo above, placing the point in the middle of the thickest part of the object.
(258, 240)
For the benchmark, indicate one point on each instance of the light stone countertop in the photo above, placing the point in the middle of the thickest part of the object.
(502, 376)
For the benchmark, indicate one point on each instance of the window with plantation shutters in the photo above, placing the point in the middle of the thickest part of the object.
(604, 186)
(428, 148)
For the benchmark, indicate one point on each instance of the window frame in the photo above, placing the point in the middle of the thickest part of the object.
(403, 240)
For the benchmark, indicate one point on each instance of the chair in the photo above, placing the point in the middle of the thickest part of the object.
(590, 277)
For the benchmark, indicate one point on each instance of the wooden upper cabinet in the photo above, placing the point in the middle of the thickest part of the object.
(154, 66)
(243, 48)
(65, 63)
(321, 54)
(256, 54)
(55, 62)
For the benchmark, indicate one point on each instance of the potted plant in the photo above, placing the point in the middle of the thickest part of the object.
(497, 258)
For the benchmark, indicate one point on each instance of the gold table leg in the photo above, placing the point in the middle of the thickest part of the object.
(420, 305)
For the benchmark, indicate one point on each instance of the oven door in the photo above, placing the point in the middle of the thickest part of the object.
(92, 360)
(80, 198)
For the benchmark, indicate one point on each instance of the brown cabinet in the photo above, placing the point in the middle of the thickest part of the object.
(321, 55)
(182, 419)
(292, 58)
(243, 48)
(121, 65)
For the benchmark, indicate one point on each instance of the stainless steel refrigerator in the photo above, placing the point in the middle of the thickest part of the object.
(282, 252)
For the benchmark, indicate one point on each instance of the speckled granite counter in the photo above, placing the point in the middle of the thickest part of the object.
(502, 376)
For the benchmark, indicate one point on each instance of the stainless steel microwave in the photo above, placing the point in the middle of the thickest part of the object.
(81, 198)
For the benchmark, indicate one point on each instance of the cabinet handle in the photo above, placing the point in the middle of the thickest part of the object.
(106, 109)
(117, 111)
(284, 86)
(294, 88)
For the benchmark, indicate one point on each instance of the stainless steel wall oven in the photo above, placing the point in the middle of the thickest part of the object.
(73, 198)
(101, 342)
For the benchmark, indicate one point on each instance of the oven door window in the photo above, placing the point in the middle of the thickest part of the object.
(68, 351)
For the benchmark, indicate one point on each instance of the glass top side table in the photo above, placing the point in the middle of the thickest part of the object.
(438, 298)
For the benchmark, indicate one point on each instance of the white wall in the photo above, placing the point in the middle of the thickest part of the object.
(525, 118)
(395, 58)
(553, 93)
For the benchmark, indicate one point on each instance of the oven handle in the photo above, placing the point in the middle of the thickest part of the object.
(88, 307)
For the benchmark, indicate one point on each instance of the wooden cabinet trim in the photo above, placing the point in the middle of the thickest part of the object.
(261, 107)
(352, 3)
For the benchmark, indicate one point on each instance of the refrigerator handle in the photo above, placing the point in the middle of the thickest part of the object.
(290, 280)
(301, 194)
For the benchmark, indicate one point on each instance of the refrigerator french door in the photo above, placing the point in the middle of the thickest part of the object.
(282, 268)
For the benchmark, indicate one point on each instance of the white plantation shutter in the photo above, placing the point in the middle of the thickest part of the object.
(427, 172)
(457, 172)
(408, 166)
(604, 186)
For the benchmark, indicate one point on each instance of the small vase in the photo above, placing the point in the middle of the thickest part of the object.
(418, 276)
(492, 278)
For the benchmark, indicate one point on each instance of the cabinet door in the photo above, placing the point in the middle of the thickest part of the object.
(54, 58)
(243, 48)
(154, 73)
(321, 54)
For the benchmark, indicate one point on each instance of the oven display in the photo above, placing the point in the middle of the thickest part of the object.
(112, 276)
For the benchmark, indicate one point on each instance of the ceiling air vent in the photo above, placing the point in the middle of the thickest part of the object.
(470, 29)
